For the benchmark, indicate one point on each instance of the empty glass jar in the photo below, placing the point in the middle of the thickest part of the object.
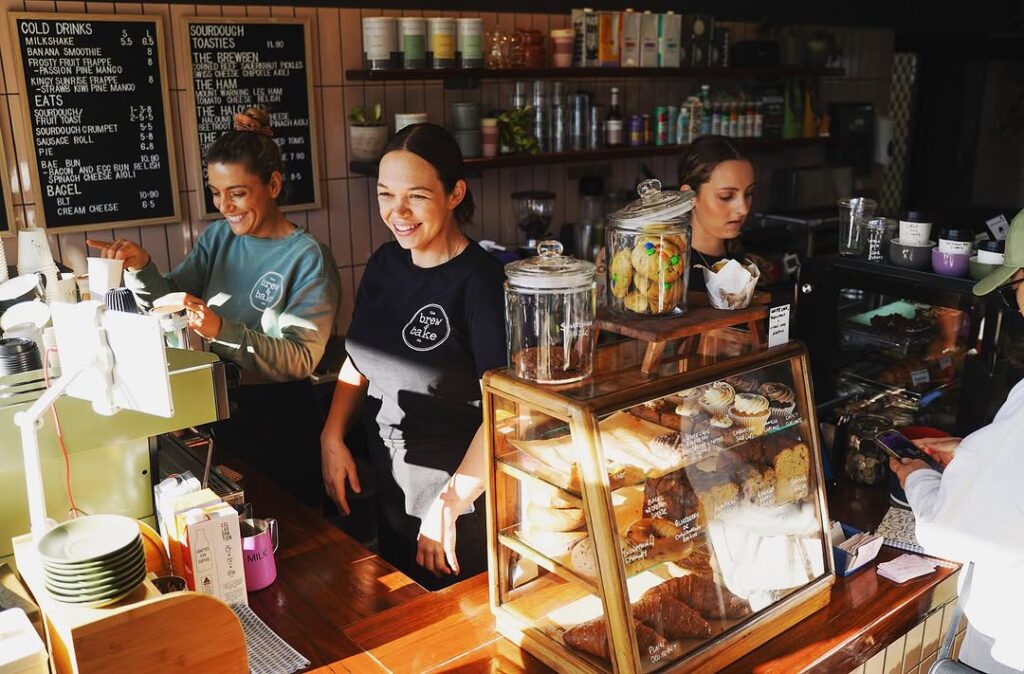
(649, 253)
(549, 306)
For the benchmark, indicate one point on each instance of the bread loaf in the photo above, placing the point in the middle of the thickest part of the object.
(554, 519)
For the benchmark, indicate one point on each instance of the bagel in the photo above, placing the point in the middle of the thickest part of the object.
(554, 519)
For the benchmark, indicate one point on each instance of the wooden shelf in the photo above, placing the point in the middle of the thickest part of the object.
(590, 73)
(476, 164)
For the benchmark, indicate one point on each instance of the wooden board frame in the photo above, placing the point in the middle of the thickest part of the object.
(172, 163)
(190, 100)
(5, 176)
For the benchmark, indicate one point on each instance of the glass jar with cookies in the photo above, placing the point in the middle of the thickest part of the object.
(549, 303)
(649, 253)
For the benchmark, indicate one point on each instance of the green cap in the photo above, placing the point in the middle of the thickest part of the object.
(1014, 259)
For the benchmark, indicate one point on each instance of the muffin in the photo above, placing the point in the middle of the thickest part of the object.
(781, 400)
(688, 408)
(742, 383)
(751, 411)
(717, 399)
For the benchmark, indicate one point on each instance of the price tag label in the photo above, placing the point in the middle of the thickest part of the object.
(920, 377)
(945, 362)
(778, 325)
(998, 226)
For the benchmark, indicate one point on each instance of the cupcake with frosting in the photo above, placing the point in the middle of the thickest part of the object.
(781, 400)
(751, 411)
(717, 398)
(742, 383)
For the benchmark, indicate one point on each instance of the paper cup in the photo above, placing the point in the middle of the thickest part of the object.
(67, 289)
(34, 251)
(915, 233)
(988, 257)
(104, 274)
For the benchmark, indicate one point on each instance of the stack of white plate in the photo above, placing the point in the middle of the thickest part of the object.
(93, 560)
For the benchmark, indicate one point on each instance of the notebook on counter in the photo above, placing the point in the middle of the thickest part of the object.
(897, 528)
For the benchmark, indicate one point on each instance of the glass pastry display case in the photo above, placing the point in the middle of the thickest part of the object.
(667, 522)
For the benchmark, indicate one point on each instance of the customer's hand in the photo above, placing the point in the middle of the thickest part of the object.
(202, 318)
(435, 546)
(337, 465)
(940, 449)
(905, 467)
(132, 254)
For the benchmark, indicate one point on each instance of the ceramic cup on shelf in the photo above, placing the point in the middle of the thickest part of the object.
(489, 136)
(464, 116)
(404, 119)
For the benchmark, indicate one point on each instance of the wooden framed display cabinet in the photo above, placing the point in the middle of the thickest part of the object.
(669, 522)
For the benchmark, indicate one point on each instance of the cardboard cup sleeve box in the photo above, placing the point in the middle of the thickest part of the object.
(214, 564)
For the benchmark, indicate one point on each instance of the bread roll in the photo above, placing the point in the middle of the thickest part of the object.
(554, 519)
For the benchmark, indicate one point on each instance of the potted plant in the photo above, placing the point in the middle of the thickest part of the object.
(514, 133)
(367, 133)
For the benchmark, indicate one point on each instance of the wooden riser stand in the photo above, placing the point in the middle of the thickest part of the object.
(144, 633)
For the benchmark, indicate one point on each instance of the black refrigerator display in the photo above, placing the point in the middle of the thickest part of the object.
(910, 348)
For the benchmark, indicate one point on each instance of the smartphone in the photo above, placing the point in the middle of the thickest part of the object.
(898, 446)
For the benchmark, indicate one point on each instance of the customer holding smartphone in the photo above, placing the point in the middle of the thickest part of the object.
(974, 510)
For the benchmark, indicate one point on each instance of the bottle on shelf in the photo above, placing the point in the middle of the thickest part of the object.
(613, 123)
(750, 119)
(758, 120)
(559, 119)
(716, 119)
(705, 102)
(741, 120)
(541, 117)
(733, 121)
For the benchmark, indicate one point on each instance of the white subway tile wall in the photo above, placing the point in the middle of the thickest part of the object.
(348, 221)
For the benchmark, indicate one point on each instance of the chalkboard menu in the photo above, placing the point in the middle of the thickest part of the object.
(6, 210)
(237, 63)
(94, 90)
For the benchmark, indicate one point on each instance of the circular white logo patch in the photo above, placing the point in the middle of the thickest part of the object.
(427, 329)
(267, 292)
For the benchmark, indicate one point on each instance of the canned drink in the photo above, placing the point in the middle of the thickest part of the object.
(635, 133)
(594, 139)
(648, 129)
(412, 42)
(661, 125)
(469, 42)
(673, 127)
(380, 42)
(441, 42)
(579, 123)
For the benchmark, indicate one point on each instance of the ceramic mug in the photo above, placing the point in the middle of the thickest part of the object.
(259, 543)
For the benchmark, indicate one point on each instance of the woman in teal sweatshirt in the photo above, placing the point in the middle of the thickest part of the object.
(263, 291)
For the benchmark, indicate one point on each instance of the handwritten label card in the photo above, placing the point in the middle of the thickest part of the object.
(778, 326)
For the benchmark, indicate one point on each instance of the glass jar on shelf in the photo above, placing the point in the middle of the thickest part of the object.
(648, 245)
(550, 301)
(866, 463)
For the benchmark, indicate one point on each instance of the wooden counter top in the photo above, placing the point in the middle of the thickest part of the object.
(349, 611)
(325, 579)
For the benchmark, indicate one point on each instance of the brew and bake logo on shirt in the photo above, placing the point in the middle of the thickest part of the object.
(427, 329)
(267, 292)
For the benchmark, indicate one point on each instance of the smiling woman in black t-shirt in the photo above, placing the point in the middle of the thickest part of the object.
(428, 322)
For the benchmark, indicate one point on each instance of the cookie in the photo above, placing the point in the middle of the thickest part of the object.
(637, 303)
(664, 297)
(657, 259)
(620, 274)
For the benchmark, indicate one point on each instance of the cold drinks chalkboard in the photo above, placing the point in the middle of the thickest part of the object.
(94, 90)
(237, 63)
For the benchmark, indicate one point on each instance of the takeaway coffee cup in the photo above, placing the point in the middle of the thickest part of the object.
(104, 274)
(259, 543)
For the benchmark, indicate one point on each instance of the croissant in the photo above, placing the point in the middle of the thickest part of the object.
(592, 637)
(706, 596)
(670, 617)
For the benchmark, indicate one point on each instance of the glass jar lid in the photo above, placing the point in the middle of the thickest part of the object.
(550, 269)
(654, 206)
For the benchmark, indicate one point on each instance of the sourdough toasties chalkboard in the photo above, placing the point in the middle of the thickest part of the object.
(237, 63)
(94, 90)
